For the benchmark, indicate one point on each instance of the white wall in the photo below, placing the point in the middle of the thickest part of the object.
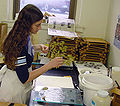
(6, 9)
(3, 11)
(92, 17)
(78, 13)
(114, 11)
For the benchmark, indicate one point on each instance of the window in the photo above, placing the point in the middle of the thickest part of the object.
(61, 8)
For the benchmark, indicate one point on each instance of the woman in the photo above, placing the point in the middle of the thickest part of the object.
(16, 75)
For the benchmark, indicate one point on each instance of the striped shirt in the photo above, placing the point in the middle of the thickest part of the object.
(24, 61)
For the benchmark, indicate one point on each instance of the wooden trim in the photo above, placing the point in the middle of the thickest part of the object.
(16, 7)
(72, 12)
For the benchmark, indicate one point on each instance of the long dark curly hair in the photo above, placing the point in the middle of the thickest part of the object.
(17, 37)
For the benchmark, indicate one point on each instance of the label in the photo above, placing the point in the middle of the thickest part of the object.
(93, 103)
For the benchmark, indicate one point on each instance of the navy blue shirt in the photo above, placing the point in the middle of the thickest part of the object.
(24, 61)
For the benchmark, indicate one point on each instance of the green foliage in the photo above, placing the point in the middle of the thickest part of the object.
(57, 49)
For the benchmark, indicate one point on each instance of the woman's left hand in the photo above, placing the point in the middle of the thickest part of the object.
(41, 47)
(44, 48)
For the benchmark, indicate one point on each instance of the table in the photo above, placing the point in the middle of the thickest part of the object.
(62, 71)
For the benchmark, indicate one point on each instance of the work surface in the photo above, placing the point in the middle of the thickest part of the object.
(63, 77)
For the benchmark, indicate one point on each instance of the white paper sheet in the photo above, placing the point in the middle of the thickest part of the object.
(61, 33)
(53, 81)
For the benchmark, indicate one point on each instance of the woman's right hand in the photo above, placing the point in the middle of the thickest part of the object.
(56, 62)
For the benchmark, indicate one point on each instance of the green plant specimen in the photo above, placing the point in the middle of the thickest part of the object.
(57, 49)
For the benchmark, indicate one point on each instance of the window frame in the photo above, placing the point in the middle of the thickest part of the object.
(72, 10)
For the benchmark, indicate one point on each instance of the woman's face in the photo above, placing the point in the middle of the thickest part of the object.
(36, 27)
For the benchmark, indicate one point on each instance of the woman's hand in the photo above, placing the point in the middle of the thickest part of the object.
(41, 47)
(56, 62)
(44, 48)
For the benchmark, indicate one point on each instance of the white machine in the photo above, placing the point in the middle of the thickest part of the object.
(87, 68)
